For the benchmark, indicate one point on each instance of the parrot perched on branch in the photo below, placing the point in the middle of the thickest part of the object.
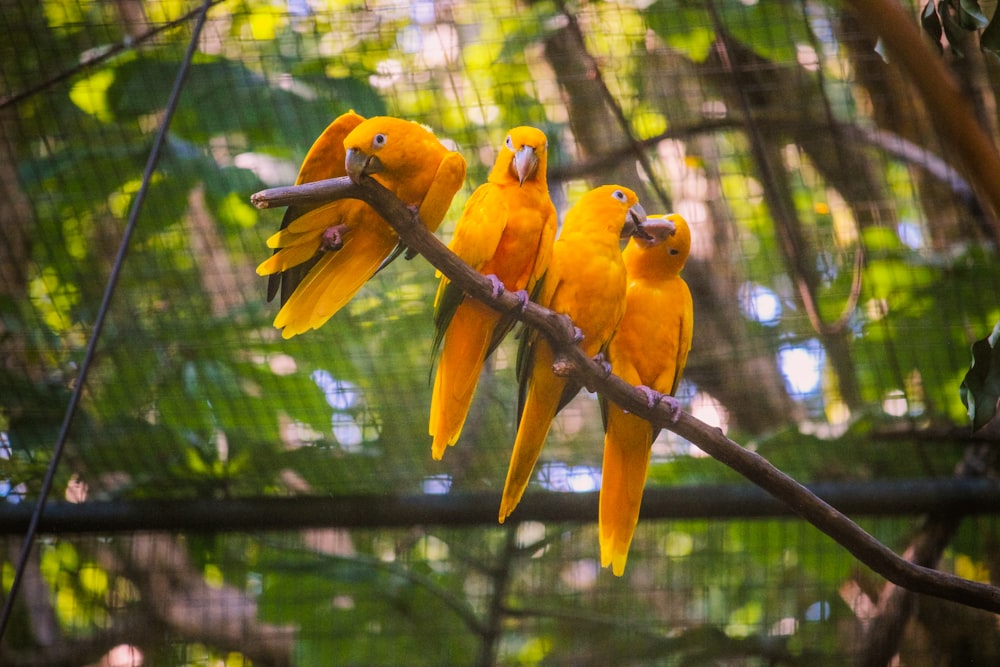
(325, 254)
(586, 280)
(649, 349)
(506, 233)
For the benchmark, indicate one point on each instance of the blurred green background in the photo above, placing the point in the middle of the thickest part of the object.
(727, 112)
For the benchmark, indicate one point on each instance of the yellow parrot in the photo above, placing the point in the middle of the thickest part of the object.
(505, 233)
(586, 280)
(325, 254)
(649, 349)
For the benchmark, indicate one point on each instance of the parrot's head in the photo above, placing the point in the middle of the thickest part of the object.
(387, 145)
(362, 161)
(523, 156)
(669, 236)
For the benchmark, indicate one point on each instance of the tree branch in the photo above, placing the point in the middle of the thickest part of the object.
(560, 331)
(947, 104)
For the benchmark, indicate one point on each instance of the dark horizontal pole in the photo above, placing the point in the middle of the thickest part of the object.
(889, 498)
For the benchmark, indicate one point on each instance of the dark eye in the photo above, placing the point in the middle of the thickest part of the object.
(674, 251)
(620, 196)
(509, 143)
(379, 140)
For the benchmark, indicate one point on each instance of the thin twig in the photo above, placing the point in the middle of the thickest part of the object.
(560, 331)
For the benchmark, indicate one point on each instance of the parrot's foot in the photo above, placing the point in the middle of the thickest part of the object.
(675, 407)
(603, 362)
(410, 254)
(496, 283)
(577, 335)
(654, 398)
(522, 300)
(332, 238)
(414, 212)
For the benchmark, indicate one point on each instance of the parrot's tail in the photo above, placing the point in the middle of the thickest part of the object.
(539, 410)
(627, 446)
(463, 353)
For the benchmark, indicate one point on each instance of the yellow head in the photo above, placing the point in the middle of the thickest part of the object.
(665, 245)
(522, 157)
(400, 154)
(611, 209)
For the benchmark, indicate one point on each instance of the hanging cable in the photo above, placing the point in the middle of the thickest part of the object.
(109, 290)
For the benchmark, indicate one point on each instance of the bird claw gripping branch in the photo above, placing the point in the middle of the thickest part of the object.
(333, 238)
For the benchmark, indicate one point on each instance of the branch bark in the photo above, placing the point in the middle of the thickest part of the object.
(560, 331)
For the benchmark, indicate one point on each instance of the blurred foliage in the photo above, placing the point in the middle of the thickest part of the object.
(195, 395)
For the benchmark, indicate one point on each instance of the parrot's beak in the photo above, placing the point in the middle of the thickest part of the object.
(525, 163)
(635, 221)
(657, 229)
(360, 164)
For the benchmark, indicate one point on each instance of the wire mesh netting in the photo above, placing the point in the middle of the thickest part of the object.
(785, 595)
(842, 264)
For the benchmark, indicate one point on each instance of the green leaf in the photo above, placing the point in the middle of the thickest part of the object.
(931, 23)
(772, 29)
(989, 40)
(980, 390)
(971, 16)
(881, 240)
(684, 28)
(953, 29)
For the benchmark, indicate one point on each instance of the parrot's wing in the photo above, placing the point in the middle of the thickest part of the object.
(525, 358)
(325, 159)
(684, 341)
(528, 339)
(396, 252)
(686, 335)
(447, 181)
(449, 298)
(544, 290)
(603, 402)
(286, 281)
(476, 238)
(507, 322)
(572, 388)
(481, 226)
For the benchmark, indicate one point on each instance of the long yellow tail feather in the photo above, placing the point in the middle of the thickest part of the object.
(462, 356)
(627, 446)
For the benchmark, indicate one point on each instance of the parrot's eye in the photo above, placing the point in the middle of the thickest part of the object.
(509, 143)
(379, 140)
(620, 196)
(674, 251)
